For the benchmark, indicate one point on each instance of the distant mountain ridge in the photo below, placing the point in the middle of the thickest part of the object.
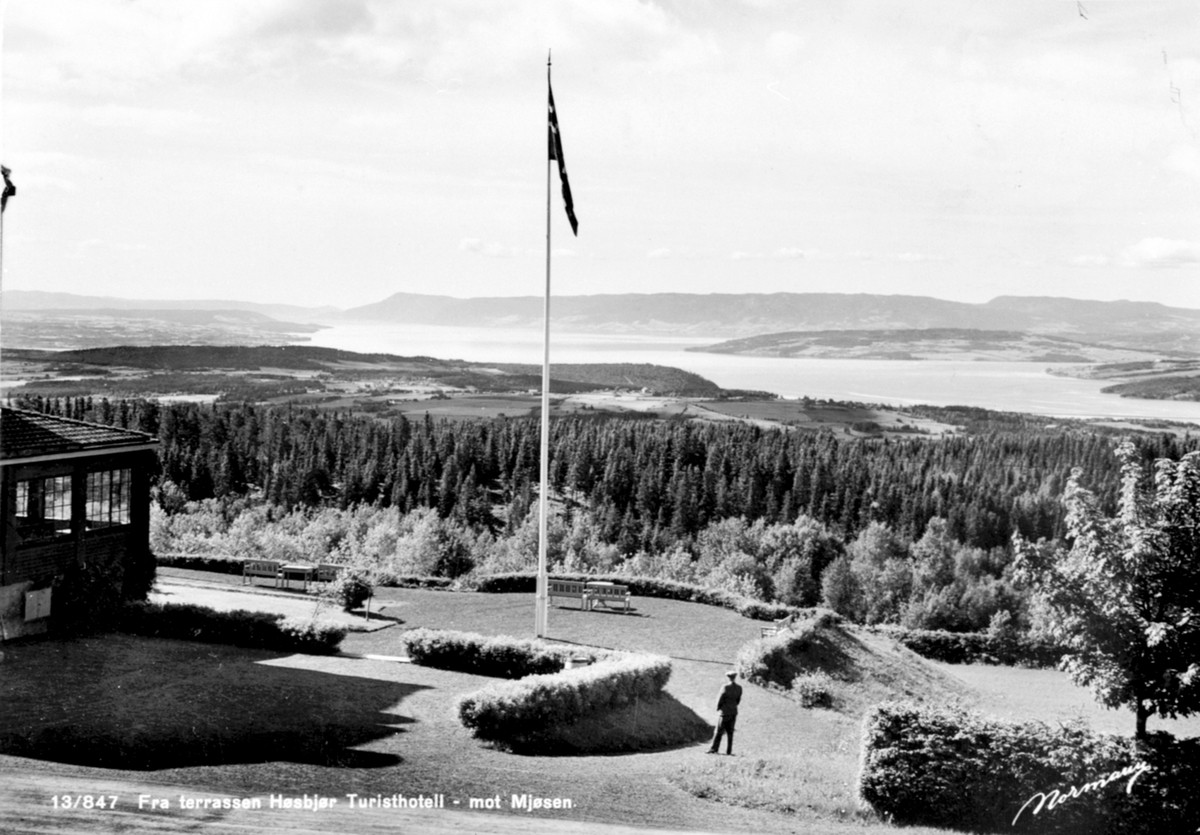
(1141, 325)
(23, 300)
(749, 314)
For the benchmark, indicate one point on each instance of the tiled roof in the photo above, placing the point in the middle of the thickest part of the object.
(25, 434)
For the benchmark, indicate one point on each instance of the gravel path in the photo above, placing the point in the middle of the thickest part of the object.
(225, 597)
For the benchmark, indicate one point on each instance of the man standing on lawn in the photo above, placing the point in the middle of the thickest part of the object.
(727, 707)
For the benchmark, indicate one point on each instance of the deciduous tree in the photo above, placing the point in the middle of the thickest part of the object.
(1124, 598)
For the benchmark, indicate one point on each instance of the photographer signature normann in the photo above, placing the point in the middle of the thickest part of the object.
(1055, 797)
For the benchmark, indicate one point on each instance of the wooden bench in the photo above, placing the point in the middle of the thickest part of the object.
(569, 588)
(781, 625)
(605, 593)
(260, 568)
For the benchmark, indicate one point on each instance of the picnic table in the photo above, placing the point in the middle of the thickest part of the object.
(283, 573)
(297, 571)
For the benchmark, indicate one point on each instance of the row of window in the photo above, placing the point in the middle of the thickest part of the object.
(44, 504)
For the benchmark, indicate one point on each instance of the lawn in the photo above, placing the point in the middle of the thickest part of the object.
(243, 721)
(1018, 694)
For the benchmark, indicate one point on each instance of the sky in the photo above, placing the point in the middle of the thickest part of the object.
(333, 152)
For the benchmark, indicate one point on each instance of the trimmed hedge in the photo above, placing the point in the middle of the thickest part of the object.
(526, 582)
(975, 647)
(530, 710)
(485, 655)
(545, 696)
(258, 630)
(946, 767)
(200, 562)
(233, 565)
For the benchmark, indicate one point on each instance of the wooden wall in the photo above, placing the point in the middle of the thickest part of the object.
(36, 563)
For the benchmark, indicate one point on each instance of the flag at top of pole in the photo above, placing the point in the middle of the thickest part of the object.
(11, 191)
(556, 153)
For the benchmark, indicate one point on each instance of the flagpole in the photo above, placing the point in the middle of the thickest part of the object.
(540, 613)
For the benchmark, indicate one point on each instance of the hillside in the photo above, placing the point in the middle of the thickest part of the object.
(1164, 379)
(926, 344)
(624, 376)
(260, 372)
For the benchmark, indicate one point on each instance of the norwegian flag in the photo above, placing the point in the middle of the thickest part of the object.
(556, 152)
(10, 190)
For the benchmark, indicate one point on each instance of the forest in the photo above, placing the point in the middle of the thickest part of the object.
(914, 530)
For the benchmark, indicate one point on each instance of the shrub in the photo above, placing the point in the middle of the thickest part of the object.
(258, 630)
(813, 689)
(946, 767)
(768, 661)
(201, 562)
(484, 655)
(995, 647)
(351, 589)
(88, 595)
(526, 711)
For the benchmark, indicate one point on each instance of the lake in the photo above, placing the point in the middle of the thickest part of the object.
(1007, 386)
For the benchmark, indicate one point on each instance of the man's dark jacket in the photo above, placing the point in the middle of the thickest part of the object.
(731, 695)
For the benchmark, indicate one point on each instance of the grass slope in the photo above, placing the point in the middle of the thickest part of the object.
(817, 779)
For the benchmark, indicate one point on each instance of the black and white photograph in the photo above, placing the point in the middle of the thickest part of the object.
(817, 452)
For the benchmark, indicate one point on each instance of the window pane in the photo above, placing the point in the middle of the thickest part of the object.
(121, 497)
(23, 499)
(58, 498)
(44, 507)
(108, 498)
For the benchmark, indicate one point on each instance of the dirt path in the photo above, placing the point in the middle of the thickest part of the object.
(225, 598)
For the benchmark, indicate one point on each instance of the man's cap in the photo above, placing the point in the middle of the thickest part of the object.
(732, 674)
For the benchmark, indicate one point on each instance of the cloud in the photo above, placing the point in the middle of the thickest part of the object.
(115, 45)
(495, 250)
(662, 252)
(795, 253)
(785, 48)
(315, 167)
(95, 244)
(1089, 261)
(1160, 252)
(319, 18)
(40, 170)
(915, 257)
(1184, 159)
(781, 254)
(32, 181)
(159, 122)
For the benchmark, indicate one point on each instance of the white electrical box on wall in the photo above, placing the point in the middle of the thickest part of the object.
(37, 604)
